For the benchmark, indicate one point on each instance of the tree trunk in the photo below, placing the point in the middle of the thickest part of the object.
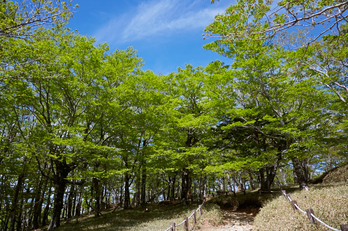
(185, 186)
(59, 189)
(252, 185)
(126, 192)
(60, 183)
(222, 184)
(70, 208)
(79, 202)
(143, 184)
(16, 195)
(298, 170)
(267, 180)
(204, 189)
(47, 208)
(138, 189)
(40, 193)
(283, 174)
(96, 196)
(172, 190)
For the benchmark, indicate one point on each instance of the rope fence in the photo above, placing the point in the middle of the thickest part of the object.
(310, 213)
(185, 222)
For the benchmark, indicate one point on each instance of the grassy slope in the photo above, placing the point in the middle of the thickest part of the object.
(328, 201)
(338, 175)
(159, 218)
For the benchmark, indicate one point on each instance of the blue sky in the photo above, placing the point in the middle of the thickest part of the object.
(166, 33)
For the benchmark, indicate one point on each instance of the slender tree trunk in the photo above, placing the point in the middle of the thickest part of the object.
(79, 202)
(38, 203)
(70, 207)
(121, 194)
(222, 184)
(143, 184)
(16, 196)
(126, 192)
(170, 182)
(178, 191)
(172, 190)
(283, 174)
(298, 170)
(59, 190)
(20, 225)
(268, 178)
(64, 206)
(47, 208)
(96, 187)
(204, 189)
(73, 212)
(138, 189)
(29, 213)
(252, 185)
(184, 186)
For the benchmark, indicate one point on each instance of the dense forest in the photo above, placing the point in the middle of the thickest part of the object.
(83, 128)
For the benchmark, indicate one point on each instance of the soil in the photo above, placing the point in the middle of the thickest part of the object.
(239, 220)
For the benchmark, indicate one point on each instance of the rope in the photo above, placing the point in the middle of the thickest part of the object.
(313, 216)
(300, 209)
(324, 223)
(270, 191)
(180, 224)
(187, 218)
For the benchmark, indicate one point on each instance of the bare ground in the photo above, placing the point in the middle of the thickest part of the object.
(239, 220)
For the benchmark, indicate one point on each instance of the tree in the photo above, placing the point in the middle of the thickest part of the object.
(255, 20)
(277, 111)
(20, 19)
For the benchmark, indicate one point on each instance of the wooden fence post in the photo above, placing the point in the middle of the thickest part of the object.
(344, 227)
(172, 226)
(283, 192)
(194, 216)
(309, 212)
(294, 203)
(200, 210)
(186, 227)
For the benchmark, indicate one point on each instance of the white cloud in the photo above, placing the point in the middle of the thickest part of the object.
(158, 18)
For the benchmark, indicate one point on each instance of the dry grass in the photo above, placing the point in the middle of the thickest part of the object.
(338, 175)
(212, 215)
(159, 218)
(328, 201)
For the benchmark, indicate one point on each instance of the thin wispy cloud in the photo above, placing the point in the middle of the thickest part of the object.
(158, 18)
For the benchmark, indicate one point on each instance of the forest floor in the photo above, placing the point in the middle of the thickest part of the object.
(239, 220)
(228, 212)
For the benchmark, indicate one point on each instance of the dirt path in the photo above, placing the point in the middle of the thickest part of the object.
(240, 220)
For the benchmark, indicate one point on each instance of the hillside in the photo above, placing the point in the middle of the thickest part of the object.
(219, 212)
(337, 175)
(249, 211)
(328, 201)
